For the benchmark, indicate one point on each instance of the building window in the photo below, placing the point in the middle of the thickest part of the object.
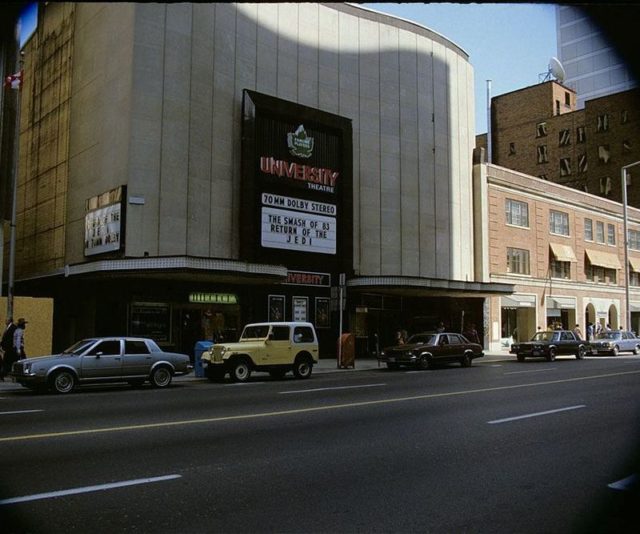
(581, 134)
(634, 279)
(604, 154)
(602, 123)
(611, 234)
(624, 117)
(600, 275)
(512, 149)
(565, 166)
(588, 230)
(633, 237)
(517, 261)
(567, 99)
(517, 213)
(559, 269)
(564, 138)
(605, 185)
(541, 129)
(543, 157)
(582, 163)
(558, 222)
(599, 232)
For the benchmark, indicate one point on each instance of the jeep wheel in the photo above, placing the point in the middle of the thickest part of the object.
(551, 355)
(241, 371)
(303, 367)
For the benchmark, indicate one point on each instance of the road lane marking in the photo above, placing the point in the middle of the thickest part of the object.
(87, 489)
(332, 388)
(20, 411)
(537, 414)
(298, 411)
(531, 371)
(626, 484)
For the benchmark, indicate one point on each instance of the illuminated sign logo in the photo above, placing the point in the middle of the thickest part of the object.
(299, 143)
(213, 298)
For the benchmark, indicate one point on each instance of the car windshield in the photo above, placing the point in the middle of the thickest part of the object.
(421, 339)
(255, 332)
(543, 336)
(609, 335)
(79, 347)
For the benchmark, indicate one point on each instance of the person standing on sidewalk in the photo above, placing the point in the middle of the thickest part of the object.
(9, 355)
(18, 339)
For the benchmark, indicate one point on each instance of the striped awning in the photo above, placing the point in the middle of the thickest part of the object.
(603, 259)
(562, 252)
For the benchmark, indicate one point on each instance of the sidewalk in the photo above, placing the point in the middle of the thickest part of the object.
(324, 366)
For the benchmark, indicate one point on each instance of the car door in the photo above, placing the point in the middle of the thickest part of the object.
(568, 343)
(104, 360)
(456, 346)
(443, 350)
(137, 359)
(278, 347)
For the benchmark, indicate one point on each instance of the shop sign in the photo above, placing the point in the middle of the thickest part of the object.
(213, 298)
(302, 278)
(102, 222)
(304, 232)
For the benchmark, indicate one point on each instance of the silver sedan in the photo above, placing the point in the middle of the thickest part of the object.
(106, 359)
(615, 342)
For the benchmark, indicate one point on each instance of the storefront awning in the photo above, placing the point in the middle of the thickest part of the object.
(566, 303)
(635, 264)
(563, 252)
(603, 259)
(518, 301)
(633, 307)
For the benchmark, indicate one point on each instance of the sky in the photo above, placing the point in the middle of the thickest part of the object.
(509, 44)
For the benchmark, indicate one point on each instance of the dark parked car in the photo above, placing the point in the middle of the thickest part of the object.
(424, 350)
(615, 342)
(107, 359)
(550, 344)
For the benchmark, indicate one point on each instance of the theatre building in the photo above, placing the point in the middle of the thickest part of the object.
(561, 249)
(188, 168)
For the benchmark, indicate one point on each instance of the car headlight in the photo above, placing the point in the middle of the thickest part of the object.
(26, 368)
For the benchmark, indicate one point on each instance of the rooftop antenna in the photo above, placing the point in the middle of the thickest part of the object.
(556, 70)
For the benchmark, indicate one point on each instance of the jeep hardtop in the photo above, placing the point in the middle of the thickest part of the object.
(276, 348)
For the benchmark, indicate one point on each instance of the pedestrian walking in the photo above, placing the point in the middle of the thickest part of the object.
(577, 331)
(18, 339)
(8, 356)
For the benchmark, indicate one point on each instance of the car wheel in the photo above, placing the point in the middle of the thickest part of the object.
(580, 354)
(520, 357)
(240, 372)
(303, 367)
(161, 377)
(466, 361)
(615, 350)
(636, 350)
(423, 363)
(551, 355)
(278, 374)
(63, 381)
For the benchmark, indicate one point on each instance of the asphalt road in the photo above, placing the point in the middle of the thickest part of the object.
(498, 447)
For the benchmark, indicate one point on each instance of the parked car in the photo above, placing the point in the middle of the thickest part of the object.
(424, 350)
(615, 342)
(550, 344)
(105, 359)
(276, 348)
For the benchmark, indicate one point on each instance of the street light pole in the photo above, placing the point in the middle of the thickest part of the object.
(626, 243)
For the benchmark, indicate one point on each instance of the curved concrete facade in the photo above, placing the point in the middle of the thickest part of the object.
(160, 87)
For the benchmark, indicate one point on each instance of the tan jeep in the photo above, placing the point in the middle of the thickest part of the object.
(276, 348)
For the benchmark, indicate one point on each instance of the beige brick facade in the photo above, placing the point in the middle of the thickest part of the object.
(541, 297)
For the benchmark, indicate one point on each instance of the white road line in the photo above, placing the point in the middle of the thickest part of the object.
(87, 489)
(20, 411)
(332, 389)
(626, 484)
(531, 371)
(538, 414)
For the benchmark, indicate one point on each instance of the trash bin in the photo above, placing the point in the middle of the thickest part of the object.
(198, 350)
(347, 351)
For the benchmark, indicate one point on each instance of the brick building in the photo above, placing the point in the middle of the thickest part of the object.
(561, 249)
(538, 131)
